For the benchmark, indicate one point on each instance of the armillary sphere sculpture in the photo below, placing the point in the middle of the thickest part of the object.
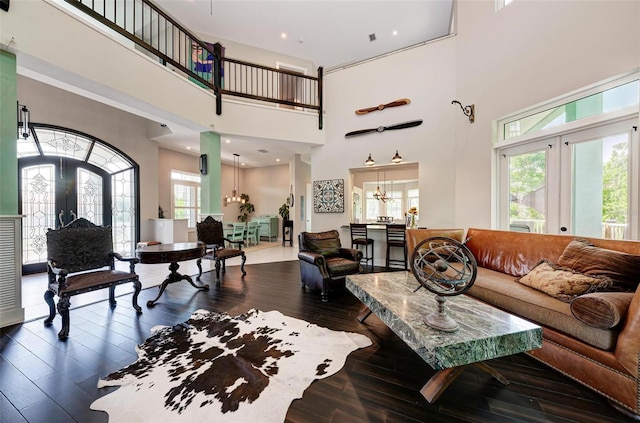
(445, 267)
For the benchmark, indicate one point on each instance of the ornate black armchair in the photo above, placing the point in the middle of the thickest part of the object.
(83, 247)
(323, 260)
(211, 234)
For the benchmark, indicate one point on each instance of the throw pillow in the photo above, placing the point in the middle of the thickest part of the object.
(603, 310)
(623, 269)
(560, 283)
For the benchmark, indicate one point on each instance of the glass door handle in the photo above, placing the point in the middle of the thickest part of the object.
(60, 218)
(75, 216)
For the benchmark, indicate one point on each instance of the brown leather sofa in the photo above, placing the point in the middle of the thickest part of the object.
(323, 260)
(605, 360)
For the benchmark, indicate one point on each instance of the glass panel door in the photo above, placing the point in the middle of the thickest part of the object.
(598, 185)
(54, 191)
(39, 210)
(524, 175)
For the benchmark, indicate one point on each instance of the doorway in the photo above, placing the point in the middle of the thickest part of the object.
(64, 175)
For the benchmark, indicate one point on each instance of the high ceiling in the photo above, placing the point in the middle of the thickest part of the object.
(327, 33)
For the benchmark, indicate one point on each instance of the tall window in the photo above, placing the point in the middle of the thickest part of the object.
(186, 196)
(568, 166)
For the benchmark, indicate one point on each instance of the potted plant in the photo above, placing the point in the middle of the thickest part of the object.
(246, 208)
(284, 211)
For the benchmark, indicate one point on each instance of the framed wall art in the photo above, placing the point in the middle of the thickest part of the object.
(328, 196)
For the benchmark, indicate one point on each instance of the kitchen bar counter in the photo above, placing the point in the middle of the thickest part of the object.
(377, 232)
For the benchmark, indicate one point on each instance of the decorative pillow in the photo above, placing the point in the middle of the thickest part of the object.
(560, 283)
(623, 269)
(603, 310)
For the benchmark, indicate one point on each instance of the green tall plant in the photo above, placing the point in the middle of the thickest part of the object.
(284, 211)
(246, 208)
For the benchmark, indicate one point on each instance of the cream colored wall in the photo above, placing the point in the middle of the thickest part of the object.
(128, 133)
(267, 188)
(169, 160)
(528, 52)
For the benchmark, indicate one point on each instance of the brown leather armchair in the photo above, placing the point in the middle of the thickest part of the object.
(323, 260)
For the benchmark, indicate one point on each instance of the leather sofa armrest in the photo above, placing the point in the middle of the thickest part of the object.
(311, 257)
(627, 350)
(351, 254)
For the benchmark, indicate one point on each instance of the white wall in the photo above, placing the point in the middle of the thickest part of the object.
(425, 75)
(528, 52)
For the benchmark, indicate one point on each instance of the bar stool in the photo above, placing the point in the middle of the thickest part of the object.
(396, 237)
(359, 236)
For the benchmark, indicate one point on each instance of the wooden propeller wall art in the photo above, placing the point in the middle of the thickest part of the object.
(401, 102)
(403, 125)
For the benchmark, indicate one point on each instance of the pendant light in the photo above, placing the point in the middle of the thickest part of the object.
(369, 161)
(235, 197)
(397, 158)
(378, 194)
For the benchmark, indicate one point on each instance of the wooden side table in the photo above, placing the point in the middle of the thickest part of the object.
(172, 253)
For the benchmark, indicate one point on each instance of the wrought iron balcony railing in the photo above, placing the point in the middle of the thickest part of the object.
(149, 27)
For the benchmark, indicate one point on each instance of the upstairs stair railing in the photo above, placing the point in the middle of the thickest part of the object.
(149, 27)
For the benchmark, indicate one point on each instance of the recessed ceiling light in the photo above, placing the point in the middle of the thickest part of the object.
(277, 160)
(395, 32)
(227, 141)
(188, 148)
(242, 164)
(283, 35)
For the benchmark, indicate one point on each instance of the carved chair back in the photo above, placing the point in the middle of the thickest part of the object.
(80, 246)
(210, 232)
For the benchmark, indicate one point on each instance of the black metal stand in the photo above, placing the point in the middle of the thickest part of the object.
(287, 232)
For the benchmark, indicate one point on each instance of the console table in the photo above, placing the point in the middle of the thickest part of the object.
(485, 331)
(172, 253)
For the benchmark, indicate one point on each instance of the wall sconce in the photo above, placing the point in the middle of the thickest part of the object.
(397, 158)
(467, 110)
(203, 164)
(24, 114)
(369, 161)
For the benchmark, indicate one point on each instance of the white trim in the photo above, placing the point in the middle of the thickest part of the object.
(592, 89)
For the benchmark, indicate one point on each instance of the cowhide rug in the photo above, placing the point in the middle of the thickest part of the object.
(220, 368)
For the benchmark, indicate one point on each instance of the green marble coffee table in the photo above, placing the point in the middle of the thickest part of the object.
(485, 332)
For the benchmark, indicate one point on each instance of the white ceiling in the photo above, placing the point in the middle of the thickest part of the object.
(329, 33)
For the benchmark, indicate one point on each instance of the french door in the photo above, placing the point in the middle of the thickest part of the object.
(54, 191)
(583, 183)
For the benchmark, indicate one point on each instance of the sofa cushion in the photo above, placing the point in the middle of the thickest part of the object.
(560, 283)
(504, 292)
(604, 310)
(622, 268)
(338, 266)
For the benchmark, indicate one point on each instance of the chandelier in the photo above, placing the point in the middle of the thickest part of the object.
(379, 195)
(235, 197)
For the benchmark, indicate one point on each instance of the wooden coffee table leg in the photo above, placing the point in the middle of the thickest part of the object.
(440, 381)
(493, 372)
(364, 313)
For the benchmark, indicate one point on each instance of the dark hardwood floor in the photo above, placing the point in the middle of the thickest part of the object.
(45, 380)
